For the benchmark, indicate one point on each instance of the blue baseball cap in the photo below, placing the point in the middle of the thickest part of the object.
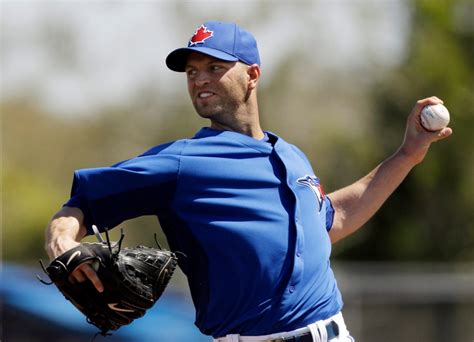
(225, 41)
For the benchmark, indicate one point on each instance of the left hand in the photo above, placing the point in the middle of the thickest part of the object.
(417, 140)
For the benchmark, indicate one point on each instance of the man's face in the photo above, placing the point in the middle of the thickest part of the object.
(217, 88)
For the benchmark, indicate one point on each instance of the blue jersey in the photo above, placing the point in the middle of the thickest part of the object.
(250, 216)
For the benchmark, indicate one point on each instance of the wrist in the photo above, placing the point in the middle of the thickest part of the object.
(65, 231)
(405, 160)
(59, 245)
(410, 156)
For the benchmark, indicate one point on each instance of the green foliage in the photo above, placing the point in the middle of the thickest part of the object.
(30, 200)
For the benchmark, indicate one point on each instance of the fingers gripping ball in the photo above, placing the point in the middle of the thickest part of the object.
(434, 117)
(133, 279)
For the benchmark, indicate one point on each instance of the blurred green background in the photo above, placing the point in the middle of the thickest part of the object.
(84, 84)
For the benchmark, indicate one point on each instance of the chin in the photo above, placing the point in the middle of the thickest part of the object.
(207, 112)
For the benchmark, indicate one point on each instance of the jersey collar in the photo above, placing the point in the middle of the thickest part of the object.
(260, 145)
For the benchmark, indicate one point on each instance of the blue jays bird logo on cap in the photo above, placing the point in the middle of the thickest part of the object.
(313, 183)
(225, 41)
(201, 34)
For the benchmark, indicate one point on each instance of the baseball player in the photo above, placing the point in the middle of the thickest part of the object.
(243, 205)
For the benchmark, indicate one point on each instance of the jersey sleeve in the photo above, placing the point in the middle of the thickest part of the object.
(140, 186)
(329, 213)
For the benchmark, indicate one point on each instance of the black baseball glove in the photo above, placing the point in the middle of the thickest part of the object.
(133, 279)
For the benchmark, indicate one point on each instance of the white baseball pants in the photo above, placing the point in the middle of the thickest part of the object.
(317, 330)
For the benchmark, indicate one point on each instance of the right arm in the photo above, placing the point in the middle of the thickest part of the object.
(112, 195)
(65, 231)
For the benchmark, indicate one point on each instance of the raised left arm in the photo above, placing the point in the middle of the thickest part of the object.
(355, 204)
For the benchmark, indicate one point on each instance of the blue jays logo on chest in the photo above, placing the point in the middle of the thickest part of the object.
(313, 183)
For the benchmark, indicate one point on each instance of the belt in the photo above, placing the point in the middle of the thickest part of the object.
(332, 330)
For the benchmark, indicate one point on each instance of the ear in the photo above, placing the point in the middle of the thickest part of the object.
(253, 72)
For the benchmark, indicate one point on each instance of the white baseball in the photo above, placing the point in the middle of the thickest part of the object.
(434, 117)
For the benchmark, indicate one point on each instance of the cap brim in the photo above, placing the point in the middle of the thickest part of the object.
(177, 59)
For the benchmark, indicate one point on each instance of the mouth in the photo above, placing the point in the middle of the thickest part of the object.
(205, 94)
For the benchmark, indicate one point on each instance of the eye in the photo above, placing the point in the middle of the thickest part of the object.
(216, 67)
(191, 72)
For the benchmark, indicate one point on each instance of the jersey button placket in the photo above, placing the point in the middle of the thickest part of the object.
(290, 183)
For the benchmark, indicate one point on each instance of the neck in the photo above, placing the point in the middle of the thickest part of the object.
(252, 130)
(244, 120)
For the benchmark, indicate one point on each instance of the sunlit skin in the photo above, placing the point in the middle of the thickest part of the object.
(225, 93)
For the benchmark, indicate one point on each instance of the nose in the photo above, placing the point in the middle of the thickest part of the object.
(202, 78)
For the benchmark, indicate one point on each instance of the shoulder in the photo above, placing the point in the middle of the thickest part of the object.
(288, 146)
(173, 147)
(203, 139)
(299, 152)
